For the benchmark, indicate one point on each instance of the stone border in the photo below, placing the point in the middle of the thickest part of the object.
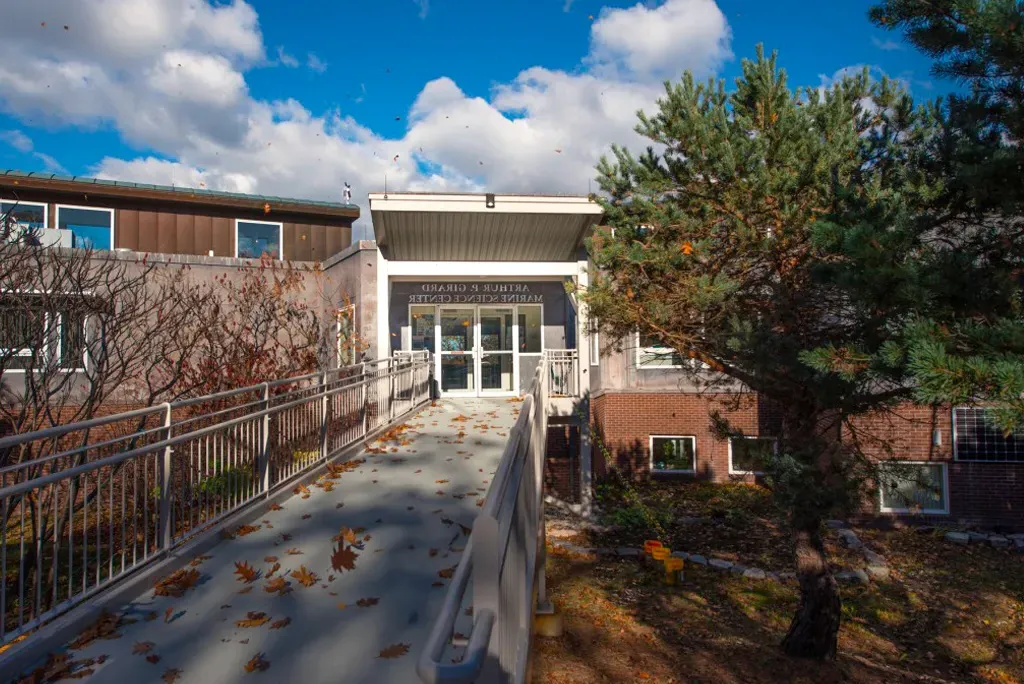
(997, 541)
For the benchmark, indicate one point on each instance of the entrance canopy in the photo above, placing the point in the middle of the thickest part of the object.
(479, 227)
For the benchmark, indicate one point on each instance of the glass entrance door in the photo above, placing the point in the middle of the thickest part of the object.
(496, 351)
(457, 353)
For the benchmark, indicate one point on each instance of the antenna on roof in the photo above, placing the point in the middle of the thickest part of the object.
(385, 186)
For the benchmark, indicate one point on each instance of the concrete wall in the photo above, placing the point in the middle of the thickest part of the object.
(353, 272)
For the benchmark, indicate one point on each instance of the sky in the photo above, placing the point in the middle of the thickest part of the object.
(296, 98)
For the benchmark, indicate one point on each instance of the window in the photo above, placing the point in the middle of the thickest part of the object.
(348, 352)
(90, 228)
(747, 455)
(31, 336)
(256, 238)
(673, 454)
(422, 320)
(530, 329)
(24, 218)
(653, 354)
(907, 487)
(977, 436)
(22, 334)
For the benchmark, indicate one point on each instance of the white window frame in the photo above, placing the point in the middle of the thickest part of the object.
(280, 236)
(655, 350)
(113, 217)
(44, 205)
(27, 351)
(515, 345)
(923, 511)
(733, 471)
(408, 314)
(650, 454)
(60, 342)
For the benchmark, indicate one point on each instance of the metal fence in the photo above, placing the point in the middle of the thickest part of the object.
(503, 561)
(86, 503)
(563, 372)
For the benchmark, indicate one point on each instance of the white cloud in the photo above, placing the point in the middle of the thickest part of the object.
(22, 143)
(315, 63)
(286, 59)
(424, 6)
(541, 132)
(17, 140)
(888, 45)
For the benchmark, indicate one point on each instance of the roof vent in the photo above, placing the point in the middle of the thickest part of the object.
(490, 200)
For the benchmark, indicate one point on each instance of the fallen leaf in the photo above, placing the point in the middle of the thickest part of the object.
(246, 590)
(258, 662)
(432, 552)
(168, 613)
(440, 481)
(275, 568)
(153, 658)
(342, 606)
(151, 615)
(246, 573)
(394, 651)
(447, 573)
(278, 585)
(276, 507)
(270, 559)
(367, 602)
(293, 552)
(253, 619)
(307, 516)
(344, 558)
(142, 647)
(171, 675)
(247, 529)
(305, 577)
(177, 583)
(281, 624)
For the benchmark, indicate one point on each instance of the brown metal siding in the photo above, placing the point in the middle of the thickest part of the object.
(203, 235)
(147, 232)
(126, 228)
(223, 236)
(185, 229)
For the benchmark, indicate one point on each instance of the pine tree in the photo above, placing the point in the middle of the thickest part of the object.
(966, 342)
(771, 235)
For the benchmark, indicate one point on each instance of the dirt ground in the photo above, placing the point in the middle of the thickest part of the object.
(947, 614)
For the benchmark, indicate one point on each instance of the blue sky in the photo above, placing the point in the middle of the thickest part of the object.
(433, 94)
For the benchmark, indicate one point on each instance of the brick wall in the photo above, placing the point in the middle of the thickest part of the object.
(989, 495)
(561, 465)
(624, 423)
(983, 494)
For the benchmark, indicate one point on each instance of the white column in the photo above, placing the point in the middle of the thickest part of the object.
(583, 354)
(383, 308)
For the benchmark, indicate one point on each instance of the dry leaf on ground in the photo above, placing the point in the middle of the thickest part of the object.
(394, 651)
(258, 663)
(253, 619)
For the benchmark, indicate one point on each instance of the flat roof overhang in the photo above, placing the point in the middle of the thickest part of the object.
(479, 227)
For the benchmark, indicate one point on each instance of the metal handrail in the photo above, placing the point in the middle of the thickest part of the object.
(505, 559)
(82, 518)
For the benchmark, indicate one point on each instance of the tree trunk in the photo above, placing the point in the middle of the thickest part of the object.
(814, 631)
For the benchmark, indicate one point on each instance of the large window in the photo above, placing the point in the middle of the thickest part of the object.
(421, 321)
(652, 354)
(530, 329)
(673, 454)
(90, 228)
(747, 455)
(256, 238)
(906, 487)
(31, 337)
(25, 219)
(977, 436)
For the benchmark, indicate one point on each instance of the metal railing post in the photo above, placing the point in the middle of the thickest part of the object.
(366, 396)
(324, 405)
(263, 460)
(165, 484)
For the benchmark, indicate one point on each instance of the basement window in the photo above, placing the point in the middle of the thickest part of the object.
(913, 487)
(673, 454)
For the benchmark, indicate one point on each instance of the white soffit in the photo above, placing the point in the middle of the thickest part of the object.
(460, 227)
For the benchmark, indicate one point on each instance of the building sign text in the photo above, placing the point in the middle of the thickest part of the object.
(475, 293)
